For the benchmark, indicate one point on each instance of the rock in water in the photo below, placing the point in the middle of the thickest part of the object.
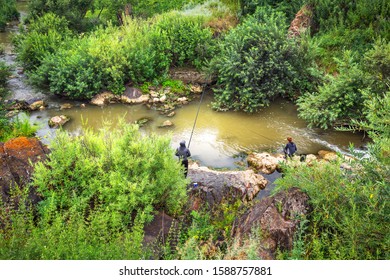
(58, 121)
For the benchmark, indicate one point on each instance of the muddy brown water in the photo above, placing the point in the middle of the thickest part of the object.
(219, 139)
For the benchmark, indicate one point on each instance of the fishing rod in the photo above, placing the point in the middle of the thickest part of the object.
(197, 113)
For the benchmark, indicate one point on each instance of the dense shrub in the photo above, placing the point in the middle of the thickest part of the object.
(73, 11)
(108, 58)
(350, 207)
(290, 8)
(257, 62)
(343, 96)
(349, 217)
(188, 39)
(348, 25)
(98, 190)
(8, 12)
(44, 36)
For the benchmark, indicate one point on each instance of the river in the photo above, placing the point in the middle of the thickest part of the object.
(220, 139)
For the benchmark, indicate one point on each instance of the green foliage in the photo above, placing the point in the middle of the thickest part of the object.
(8, 12)
(98, 191)
(257, 62)
(4, 74)
(348, 25)
(343, 96)
(290, 8)
(44, 36)
(188, 39)
(108, 58)
(350, 211)
(149, 8)
(73, 11)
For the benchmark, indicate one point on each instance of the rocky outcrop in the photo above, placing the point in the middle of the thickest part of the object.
(213, 187)
(16, 159)
(301, 22)
(277, 217)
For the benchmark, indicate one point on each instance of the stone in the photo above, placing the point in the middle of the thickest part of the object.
(104, 98)
(278, 218)
(328, 155)
(163, 98)
(134, 96)
(166, 123)
(37, 105)
(171, 114)
(58, 121)
(153, 94)
(142, 121)
(66, 106)
(197, 89)
(11, 105)
(182, 100)
(17, 157)
(265, 162)
(156, 100)
(82, 105)
(217, 186)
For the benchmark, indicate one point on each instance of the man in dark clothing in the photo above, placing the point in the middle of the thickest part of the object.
(183, 153)
(290, 148)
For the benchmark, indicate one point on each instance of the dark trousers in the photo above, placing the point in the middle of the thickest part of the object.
(185, 164)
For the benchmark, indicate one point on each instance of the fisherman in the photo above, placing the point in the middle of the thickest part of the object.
(183, 153)
(290, 148)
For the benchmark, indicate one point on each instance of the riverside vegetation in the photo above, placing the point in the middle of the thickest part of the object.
(98, 190)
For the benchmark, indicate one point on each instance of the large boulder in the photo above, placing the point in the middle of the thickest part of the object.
(134, 96)
(278, 219)
(264, 162)
(16, 159)
(214, 187)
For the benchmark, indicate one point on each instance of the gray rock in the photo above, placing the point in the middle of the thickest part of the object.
(278, 218)
(217, 186)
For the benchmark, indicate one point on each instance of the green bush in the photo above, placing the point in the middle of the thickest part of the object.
(73, 11)
(188, 38)
(8, 12)
(350, 211)
(342, 97)
(257, 63)
(290, 8)
(44, 36)
(107, 59)
(98, 191)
